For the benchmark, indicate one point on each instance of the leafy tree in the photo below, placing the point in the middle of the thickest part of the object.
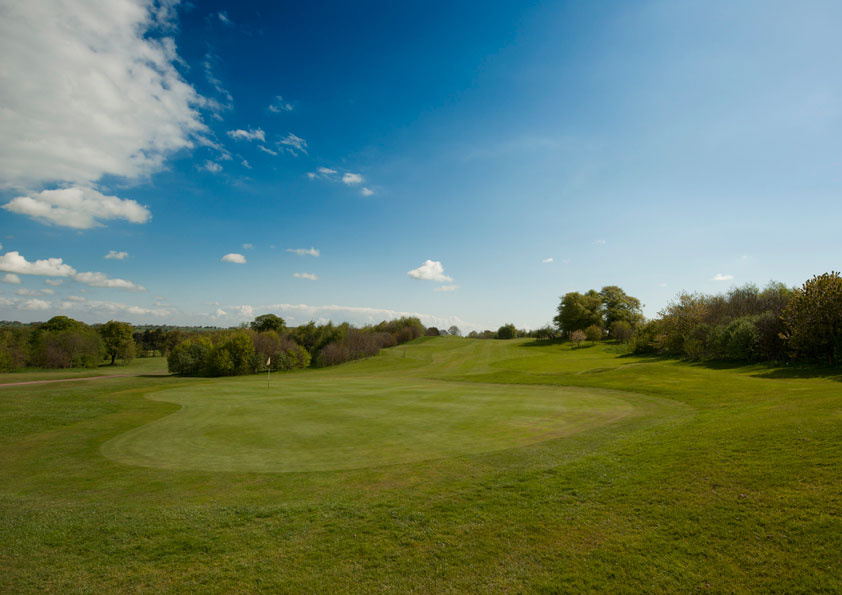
(617, 305)
(268, 322)
(545, 333)
(190, 357)
(118, 338)
(507, 331)
(454, 330)
(813, 318)
(593, 333)
(621, 330)
(577, 337)
(578, 311)
(432, 332)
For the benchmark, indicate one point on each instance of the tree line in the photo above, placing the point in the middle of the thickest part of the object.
(776, 323)
(269, 344)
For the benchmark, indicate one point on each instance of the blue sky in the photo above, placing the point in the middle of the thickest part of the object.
(466, 162)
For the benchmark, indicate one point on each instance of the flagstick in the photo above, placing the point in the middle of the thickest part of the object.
(268, 371)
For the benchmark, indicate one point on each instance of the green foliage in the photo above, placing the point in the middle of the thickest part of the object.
(507, 331)
(268, 322)
(813, 318)
(578, 311)
(621, 331)
(63, 342)
(618, 306)
(191, 357)
(118, 339)
(593, 333)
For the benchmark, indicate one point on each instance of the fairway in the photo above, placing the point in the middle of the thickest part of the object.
(311, 423)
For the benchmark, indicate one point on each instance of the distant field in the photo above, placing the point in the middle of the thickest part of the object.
(446, 465)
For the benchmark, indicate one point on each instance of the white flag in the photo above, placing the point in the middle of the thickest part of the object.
(268, 361)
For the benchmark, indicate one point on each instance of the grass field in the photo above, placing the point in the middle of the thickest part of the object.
(446, 465)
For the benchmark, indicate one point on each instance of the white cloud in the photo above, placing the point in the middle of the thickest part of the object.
(213, 104)
(89, 89)
(722, 277)
(11, 278)
(360, 315)
(235, 258)
(54, 282)
(212, 167)
(13, 262)
(446, 288)
(114, 255)
(102, 280)
(223, 17)
(547, 260)
(279, 105)
(79, 207)
(105, 309)
(294, 144)
(248, 134)
(304, 251)
(321, 172)
(34, 304)
(366, 192)
(431, 270)
(244, 310)
(350, 179)
(248, 246)
(31, 292)
(309, 276)
(246, 164)
(265, 150)
(599, 242)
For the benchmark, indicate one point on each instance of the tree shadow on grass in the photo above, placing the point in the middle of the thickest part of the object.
(775, 371)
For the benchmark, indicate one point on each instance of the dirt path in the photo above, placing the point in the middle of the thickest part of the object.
(65, 380)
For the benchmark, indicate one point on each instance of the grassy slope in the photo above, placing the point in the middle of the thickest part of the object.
(728, 479)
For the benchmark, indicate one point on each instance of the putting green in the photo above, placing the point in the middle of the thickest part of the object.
(321, 423)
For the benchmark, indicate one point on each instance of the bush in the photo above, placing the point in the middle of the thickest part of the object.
(507, 331)
(593, 333)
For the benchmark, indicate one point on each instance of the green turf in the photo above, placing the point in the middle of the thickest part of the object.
(436, 475)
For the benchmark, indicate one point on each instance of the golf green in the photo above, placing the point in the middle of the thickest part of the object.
(322, 423)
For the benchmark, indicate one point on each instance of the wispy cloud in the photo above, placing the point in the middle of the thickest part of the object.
(212, 166)
(265, 150)
(279, 105)
(33, 292)
(431, 270)
(293, 144)
(351, 179)
(223, 17)
(114, 255)
(547, 260)
(54, 282)
(446, 288)
(248, 246)
(599, 242)
(304, 251)
(309, 276)
(721, 277)
(366, 191)
(234, 258)
(249, 135)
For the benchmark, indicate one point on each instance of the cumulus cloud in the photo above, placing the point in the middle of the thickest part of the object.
(248, 134)
(431, 270)
(244, 310)
(351, 179)
(304, 251)
(309, 276)
(235, 258)
(34, 304)
(11, 278)
(102, 280)
(114, 255)
(547, 260)
(31, 292)
(721, 277)
(79, 207)
(13, 262)
(89, 89)
(293, 144)
(212, 166)
(366, 191)
(446, 288)
(279, 105)
(105, 310)
(54, 282)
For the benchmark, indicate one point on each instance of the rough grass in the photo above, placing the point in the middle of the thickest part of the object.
(716, 479)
